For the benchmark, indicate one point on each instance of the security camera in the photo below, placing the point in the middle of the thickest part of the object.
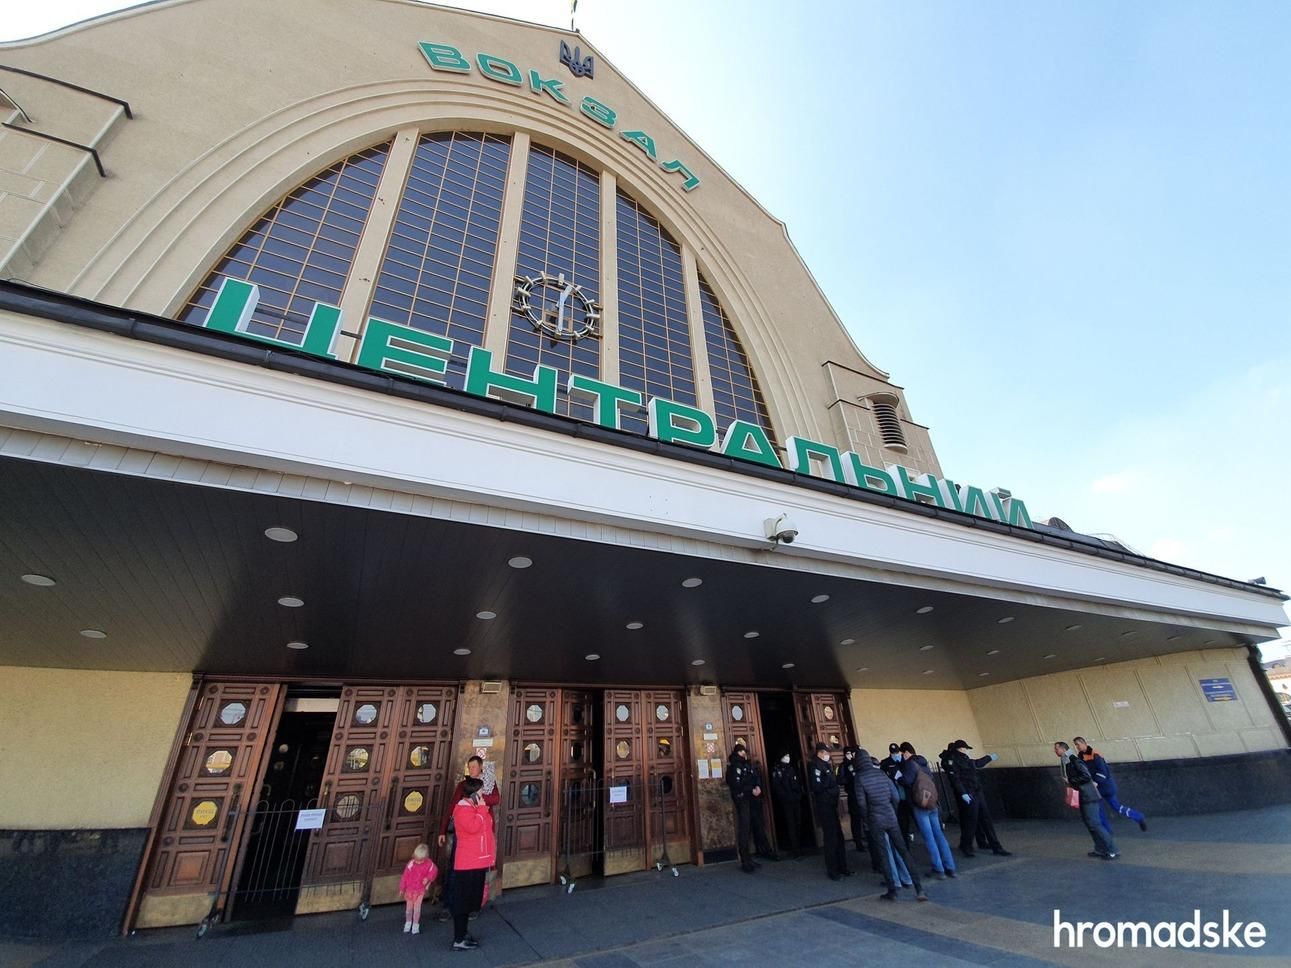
(780, 530)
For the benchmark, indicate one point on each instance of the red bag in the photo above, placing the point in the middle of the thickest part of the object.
(1073, 798)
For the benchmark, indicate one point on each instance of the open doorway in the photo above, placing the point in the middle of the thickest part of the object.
(780, 736)
(269, 880)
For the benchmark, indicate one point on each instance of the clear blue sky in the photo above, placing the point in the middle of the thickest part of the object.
(1065, 229)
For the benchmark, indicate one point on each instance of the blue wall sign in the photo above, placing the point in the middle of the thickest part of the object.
(1218, 690)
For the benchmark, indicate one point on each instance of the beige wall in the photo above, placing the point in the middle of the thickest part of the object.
(927, 718)
(1147, 709)
(84, 749)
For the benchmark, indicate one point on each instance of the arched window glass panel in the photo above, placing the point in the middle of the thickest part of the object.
(654, 334)
(560, 235)
(300, 252)
(438, 265)
(736, 395)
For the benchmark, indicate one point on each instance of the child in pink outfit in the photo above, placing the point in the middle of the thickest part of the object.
(418, 875)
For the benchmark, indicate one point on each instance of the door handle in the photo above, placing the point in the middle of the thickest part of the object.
(233, 813)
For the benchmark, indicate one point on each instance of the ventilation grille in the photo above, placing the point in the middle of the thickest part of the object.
(885, 415)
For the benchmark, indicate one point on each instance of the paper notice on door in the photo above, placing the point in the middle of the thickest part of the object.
(311, 819)
(618, 794)
(715, 767)
(703, 769)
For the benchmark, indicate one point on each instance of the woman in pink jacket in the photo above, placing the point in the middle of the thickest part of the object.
(475, 854)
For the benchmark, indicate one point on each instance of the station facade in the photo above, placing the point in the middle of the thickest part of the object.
(383, 384)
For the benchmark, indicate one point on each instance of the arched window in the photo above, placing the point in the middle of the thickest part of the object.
(438, 265)
(735, 389)
(654, 333)
(300, 252)
(560, 237)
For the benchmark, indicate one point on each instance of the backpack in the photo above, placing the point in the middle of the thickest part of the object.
(923, 792)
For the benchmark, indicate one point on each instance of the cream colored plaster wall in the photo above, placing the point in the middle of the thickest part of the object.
(239, 101)
(1147, 709)
(84, 750)
(927, 718)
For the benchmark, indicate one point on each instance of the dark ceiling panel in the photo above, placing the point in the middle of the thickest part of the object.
(182, 578)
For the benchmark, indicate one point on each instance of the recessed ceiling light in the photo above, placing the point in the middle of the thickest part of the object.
(1173, 638)
(1101, 658)
(993, 652)
(847, 642)
(591, 658)
(519, 561)
(461, 652)
(696, 662)
(819, 599)
(1052, 655)
(751, 635)
(982, 675)
(1004, 621)
(926, 672)
(41, 581)
(291, 601)
(924, 610)
(1209, 642)
(863, 669)
(94, 633)
(635, 625)
(298, 645)
(486, 616)
(284, 535)
(787, 665)
(1072, 628)
(926, 648)
(1126, 635)
(691, 582)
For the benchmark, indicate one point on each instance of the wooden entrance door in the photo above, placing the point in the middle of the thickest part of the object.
(531, 796)
(384, 785)
(626, 790)
(579, 811)
(668, 775)
(822, 718)
(219, 771)
(743, 720)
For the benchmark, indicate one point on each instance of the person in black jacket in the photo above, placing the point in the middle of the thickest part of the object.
(891, 765)
(877, 795)
(745, 784)
(974, 814)
(787, 784)
(1079, 778)
(824, 801)
(855, 816)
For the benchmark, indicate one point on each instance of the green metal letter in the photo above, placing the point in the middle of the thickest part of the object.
(664, 415)
(871, 478)
(923, 488)
(973, 501)
(642, 141)
(800, 450)
(441, 57)
(692, 180)
(498, 69)
(735, 443)
(602, 113)
(552, 85)
(237, 300)
(483, 381)
(606, 398)
(391, 348)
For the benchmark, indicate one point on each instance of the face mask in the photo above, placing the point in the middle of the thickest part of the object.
(896, 757)
(785, 760)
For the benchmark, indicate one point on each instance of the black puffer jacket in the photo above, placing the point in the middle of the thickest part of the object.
(1078, 776)
(876, 795)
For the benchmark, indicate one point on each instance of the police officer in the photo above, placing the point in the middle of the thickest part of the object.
(745, 784)
(974, 815)
(824, 800)
(787, 784)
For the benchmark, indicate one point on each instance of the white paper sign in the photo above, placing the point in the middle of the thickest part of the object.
(703, 769)
(618, 794)
(311, 819)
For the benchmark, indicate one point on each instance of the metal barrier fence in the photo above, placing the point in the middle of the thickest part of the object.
(606, 818)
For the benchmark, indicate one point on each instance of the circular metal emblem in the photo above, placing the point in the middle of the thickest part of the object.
(556, 306)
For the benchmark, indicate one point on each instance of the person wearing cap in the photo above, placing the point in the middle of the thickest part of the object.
(855, 816)
(1079, 778)
(787, 785)
(745, 783)
(974, 814)
(824, 801)
(877, 795)
(891, 765)
(1102, 774)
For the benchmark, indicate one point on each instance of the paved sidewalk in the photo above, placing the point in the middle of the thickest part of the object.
(998, 912)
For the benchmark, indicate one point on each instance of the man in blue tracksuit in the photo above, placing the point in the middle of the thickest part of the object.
(1102, 774)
